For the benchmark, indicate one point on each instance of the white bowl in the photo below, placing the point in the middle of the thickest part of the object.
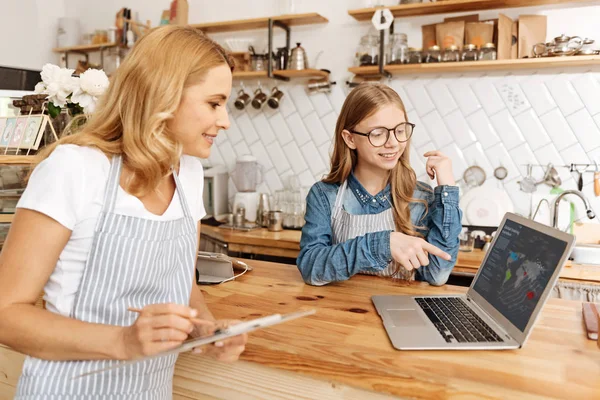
(238, 45)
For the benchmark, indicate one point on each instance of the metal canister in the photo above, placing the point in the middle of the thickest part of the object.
(275, 221)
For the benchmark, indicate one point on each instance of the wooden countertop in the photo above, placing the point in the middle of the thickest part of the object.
(287, 244)
(343, 351)
(344, 348)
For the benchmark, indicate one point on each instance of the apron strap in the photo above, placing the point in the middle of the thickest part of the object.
(184, 205)
(339, 198)
(112, 186)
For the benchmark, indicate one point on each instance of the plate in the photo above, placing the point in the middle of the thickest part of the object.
(485, 206)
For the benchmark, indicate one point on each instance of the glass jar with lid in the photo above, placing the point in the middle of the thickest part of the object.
(451, 54)
(397, 49)
(368, 51)
(414, 56)
(433, 55)
(470, 53)
(488, 52)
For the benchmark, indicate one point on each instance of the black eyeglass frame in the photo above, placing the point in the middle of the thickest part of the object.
(389, 132)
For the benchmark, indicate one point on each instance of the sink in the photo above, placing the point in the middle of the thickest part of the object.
(586, 254)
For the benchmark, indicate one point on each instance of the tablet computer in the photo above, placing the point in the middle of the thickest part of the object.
(221, 334)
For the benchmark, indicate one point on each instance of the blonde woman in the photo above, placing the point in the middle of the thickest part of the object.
(370, 215)
(108, 229)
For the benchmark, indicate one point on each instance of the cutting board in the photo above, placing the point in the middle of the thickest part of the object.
(587, 233)
(590, 316)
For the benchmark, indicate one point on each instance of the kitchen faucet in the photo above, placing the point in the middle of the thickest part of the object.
(586, 203)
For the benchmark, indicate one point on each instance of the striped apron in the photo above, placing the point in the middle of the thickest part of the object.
(133, 262)
(346, 226)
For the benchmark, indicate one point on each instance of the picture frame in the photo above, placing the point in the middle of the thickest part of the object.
(22, 132)
(34, 131)
(9, 127)
(18, 133)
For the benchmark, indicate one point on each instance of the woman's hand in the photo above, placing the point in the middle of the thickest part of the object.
(441, 166)
(412, 252)
(227, 350)
(158, 328)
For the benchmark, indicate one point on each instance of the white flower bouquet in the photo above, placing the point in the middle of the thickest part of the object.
(77, 94)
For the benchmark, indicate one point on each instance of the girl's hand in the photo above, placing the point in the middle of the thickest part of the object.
(441, 166)
(412, 252)
(158, 328)
(227, 350)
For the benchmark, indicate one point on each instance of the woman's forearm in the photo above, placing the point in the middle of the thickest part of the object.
(197, 301)
(42, 334)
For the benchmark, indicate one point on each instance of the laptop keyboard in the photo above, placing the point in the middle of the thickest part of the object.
(455, 321)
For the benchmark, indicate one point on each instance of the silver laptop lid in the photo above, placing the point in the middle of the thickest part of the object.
(519, 272)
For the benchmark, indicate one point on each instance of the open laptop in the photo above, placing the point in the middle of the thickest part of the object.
(502, 304)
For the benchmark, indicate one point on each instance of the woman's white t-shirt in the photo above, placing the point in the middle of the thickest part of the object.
(69, 187)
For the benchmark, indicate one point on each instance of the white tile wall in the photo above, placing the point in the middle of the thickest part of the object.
(494, 120)
(564, 94)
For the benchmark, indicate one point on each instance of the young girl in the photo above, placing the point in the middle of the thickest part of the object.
(370, 215)
(108, 229)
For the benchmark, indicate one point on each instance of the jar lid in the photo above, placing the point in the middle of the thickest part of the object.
(562, 38)
(489, 46)
(470, 47)
(434, 48)
(452, 48)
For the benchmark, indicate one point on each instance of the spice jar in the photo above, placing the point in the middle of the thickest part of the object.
(470, 53)
(414, 56)
(368, 51)
(433, 55)
(397, 49)
(451, 54)
(100, 36)
(488, 52)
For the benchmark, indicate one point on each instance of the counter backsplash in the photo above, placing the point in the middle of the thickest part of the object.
(487, 120)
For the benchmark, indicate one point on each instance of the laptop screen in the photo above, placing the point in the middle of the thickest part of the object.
(517, 271)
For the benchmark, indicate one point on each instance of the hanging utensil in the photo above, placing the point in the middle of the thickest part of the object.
(528, 184)
(474, 176)
(500, 173)
(574, 168)
(597, 180)
(551, 177)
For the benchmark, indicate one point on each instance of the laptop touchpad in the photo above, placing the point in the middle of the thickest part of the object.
(406, 318)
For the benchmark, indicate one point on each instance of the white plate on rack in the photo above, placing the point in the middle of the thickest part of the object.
(485, 206)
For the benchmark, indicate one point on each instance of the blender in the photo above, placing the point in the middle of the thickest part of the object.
(246, 176)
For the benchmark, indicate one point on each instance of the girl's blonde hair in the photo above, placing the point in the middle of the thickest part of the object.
(144, 93)
(362, 102)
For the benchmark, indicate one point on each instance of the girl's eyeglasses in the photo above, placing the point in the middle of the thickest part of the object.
(378, 137)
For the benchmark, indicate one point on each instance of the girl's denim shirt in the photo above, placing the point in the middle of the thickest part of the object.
(321, 262)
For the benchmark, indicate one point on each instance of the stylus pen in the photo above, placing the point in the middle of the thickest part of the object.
(196, 321)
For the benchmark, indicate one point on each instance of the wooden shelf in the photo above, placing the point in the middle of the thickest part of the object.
(288, 73)
(83, 48)
(6, 218)
(455, 6)
(467, 66)
(8, 159)
(260, 23)
(249, 74)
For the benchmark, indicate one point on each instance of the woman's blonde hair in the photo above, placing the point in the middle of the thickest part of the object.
(362, 102)
(144, 93)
